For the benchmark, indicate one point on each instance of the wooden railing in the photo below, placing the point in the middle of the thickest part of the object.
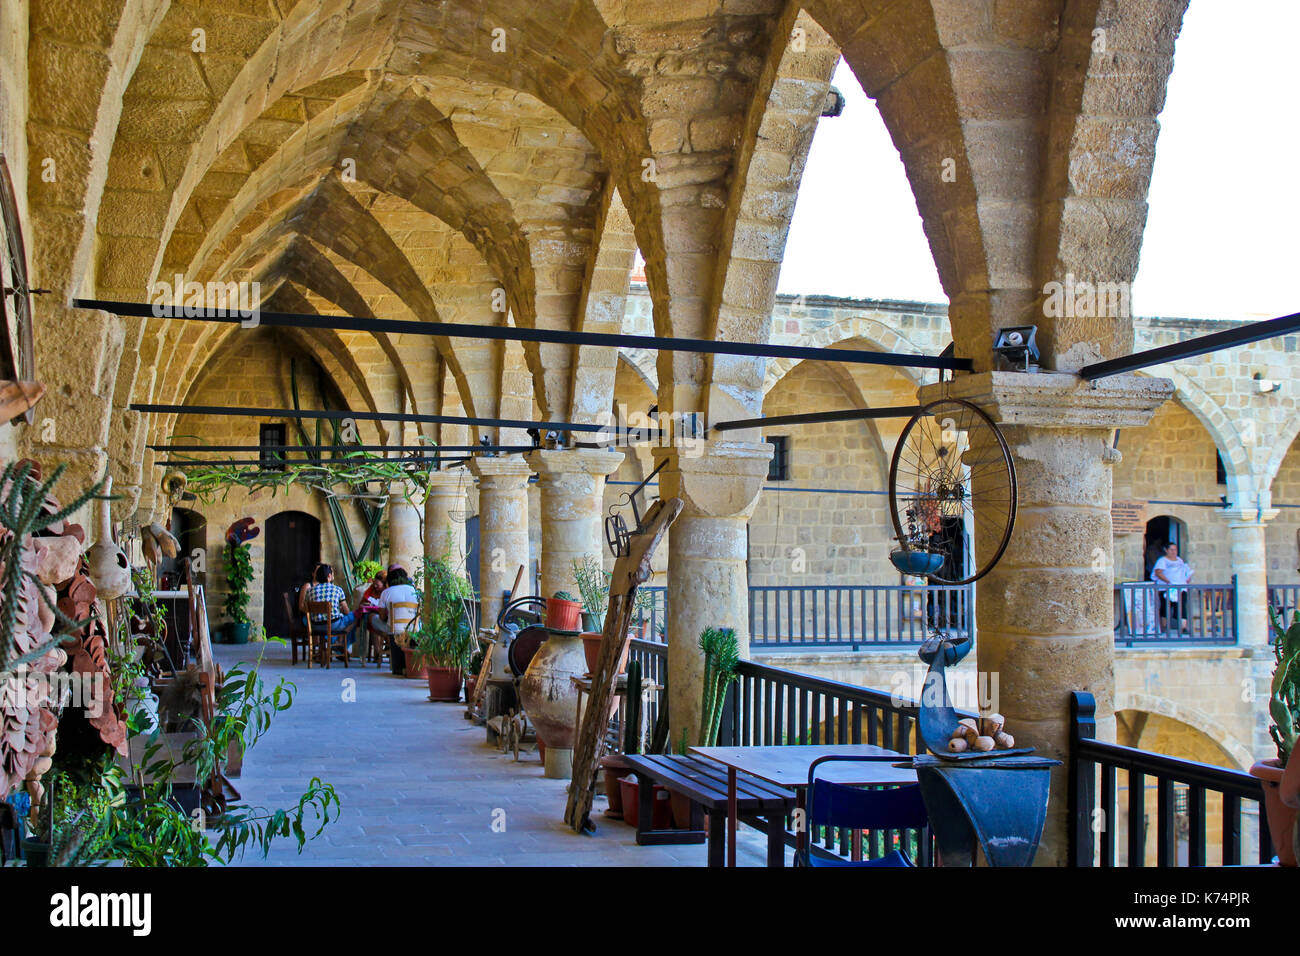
(1203, 815)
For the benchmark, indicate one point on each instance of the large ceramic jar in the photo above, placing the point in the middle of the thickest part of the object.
(550, 700)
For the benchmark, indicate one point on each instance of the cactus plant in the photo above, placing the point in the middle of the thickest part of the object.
(721, 655)
(1284, 693)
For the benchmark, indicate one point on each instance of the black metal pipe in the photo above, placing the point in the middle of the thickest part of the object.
(552, 336)
(1200, 345)
(341, 449)
(809, 418)
(340, 414)
(247, 462)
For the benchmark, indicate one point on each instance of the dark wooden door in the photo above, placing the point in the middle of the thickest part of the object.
(292, 550)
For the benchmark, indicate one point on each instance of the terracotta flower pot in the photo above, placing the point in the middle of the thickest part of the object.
(471, 685)
(662, 818)
(444, 683)
(415, 663)
(591, 647)
(1281, 818)
(562, 615)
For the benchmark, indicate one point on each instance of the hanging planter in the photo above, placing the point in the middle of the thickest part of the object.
(919, 563)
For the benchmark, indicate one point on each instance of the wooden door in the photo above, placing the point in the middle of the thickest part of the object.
(292, 551)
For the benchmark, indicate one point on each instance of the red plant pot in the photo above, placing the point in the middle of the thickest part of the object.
(471, 685)
(562, 615)
(444, 683)
(1281, 818)
(415, 663)
(591, 647)
(662, 818)
(614, 775)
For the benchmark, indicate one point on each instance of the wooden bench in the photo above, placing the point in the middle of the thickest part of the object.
(704, 782)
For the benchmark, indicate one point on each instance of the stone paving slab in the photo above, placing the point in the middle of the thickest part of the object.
(419, 784)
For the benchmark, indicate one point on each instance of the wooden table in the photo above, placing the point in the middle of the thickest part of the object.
(788, 767)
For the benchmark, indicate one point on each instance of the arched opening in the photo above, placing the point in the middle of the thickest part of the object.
(292, 551)
(191, 529)
(1163, 530)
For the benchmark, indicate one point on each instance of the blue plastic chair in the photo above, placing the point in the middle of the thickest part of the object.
(836, 805)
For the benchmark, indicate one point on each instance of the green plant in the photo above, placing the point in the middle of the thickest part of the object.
(239, 574)
(721, 655)
(1284, 692)
(443, 634)
(593, 585)
(365, 571)
(563, 596)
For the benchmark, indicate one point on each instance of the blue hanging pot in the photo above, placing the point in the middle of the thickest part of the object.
(920, 563)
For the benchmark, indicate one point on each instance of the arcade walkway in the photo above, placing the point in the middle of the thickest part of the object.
(418, 783)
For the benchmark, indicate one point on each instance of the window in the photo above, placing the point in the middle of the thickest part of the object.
(268, 436)
(1220, 471)
(778, 469)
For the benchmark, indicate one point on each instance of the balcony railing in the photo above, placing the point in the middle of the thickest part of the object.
(1200, 613)
(1203, 815)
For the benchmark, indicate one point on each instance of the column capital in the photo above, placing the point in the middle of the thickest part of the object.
(1058, 400)
(1250, 517)
(447, 481)
(506, 468)
(552, 462)
(714, 478)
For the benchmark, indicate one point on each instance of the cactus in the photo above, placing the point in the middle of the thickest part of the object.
(721, 655)
(632, 719)
(1284, 693)
(564, 596)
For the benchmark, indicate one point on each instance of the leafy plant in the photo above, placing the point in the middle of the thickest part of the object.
(1284, 692)
(721, 655)
(239, 574)
(593, 585)
(365, 571)
(443, 634)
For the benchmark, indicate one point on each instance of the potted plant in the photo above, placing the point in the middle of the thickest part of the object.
(593, 585)
(1279, 776)
(443, 640)
(239, 574)
(563, 612)
(471, 674)
(924, 516)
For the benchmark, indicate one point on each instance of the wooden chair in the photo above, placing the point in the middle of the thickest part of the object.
(404, 619)
(298, 635)
(322, 635)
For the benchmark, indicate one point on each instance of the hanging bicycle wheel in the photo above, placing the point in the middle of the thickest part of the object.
(951, 476)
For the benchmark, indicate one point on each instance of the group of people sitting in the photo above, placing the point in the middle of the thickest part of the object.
(386, 608)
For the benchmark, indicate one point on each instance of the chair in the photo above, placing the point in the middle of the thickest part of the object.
(403, 618)
(839, 806)
(323, 632)
(298, 635)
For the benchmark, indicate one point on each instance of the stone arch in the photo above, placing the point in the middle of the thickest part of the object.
(1215, 421)
(872, 331)
(1198, 720)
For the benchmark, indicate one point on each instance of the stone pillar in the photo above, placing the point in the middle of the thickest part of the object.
(502, 528)
(1246, 527)
(404, 545)
(444, 517)
(1045, 612)
(708, 583)
(572, 487)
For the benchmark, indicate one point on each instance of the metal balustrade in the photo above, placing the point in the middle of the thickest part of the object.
(1203, 815)
(1199, 613)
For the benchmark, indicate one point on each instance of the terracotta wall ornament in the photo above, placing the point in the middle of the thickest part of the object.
(109, 569)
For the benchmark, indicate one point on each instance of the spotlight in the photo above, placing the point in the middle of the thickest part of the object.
(1017, 345)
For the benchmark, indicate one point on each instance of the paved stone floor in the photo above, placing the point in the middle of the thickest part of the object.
(418, 783)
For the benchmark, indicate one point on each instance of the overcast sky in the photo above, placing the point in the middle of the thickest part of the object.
(1221, 237)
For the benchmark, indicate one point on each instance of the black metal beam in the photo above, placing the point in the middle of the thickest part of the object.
(340, 414)
(341, 449)
(312, 462)
(1200, 345)
(809, 418)
(552, 336)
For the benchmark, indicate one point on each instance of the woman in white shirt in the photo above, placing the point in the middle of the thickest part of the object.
(399, 605)
(1171, 569)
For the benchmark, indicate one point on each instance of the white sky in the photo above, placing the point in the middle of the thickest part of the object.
(1223, 229)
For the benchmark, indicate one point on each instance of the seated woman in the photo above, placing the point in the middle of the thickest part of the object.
(324, 590)
(368, 606)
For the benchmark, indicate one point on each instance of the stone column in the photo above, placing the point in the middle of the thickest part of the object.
(444, 516)
(404, 545)
(708, 583)
(572, 487)
(502, 529)
(1045, 612)
(1246, 528)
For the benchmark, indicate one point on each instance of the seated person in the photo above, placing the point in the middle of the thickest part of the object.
(368, 606)
(323, 589)
(400, 603)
